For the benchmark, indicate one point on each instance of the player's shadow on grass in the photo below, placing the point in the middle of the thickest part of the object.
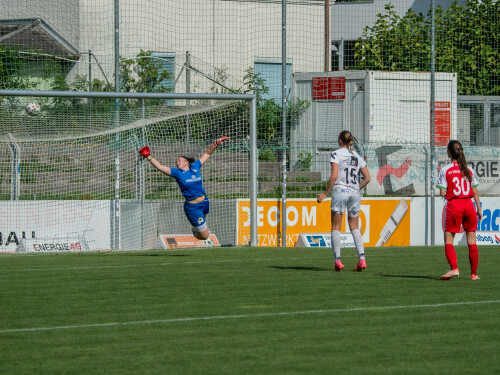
(161, 255)
(411, 276)
(297, 268)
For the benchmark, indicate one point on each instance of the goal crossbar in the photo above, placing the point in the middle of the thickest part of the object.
(126, 95)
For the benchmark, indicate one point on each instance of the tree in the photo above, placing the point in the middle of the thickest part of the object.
(270, 114)
(11, 66)
(467, 42)
(145, 73)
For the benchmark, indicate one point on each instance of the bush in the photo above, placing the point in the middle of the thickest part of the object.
(304, 161)
(267, 154)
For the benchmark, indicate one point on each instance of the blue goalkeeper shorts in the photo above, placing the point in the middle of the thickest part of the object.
(196, 212)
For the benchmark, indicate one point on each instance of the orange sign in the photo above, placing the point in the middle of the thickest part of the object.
(377, 217)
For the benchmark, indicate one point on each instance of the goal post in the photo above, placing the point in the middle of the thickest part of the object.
(72, 173)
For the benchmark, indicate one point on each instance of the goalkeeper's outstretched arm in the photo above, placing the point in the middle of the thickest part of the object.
(212, 148)
(146, 153)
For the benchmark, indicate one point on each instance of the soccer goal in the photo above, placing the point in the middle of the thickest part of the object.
(72, 178)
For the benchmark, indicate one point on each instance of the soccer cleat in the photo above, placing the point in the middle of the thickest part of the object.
(209, 243)
(361, 265)
(474, 277)
(339, 266)
(450, 274)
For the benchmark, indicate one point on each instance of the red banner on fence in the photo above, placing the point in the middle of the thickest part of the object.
(442, 123)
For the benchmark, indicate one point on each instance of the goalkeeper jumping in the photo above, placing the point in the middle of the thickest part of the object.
(188, 177)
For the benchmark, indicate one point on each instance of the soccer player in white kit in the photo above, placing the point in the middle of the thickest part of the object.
(344, 180)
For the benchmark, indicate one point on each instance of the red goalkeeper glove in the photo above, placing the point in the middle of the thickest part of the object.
(220, 140)
(145, 151)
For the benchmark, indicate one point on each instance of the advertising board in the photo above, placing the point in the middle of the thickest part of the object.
(308, 216)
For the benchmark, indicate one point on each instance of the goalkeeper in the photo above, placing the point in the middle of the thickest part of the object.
(188, 177)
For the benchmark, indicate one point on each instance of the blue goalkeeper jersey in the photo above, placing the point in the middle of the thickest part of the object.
(190, 181)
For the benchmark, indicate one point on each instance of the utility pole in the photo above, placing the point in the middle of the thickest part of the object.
(327, 36)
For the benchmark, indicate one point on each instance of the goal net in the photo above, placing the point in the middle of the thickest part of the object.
(72, 178)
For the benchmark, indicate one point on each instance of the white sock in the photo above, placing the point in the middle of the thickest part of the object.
(336, 244)
(358, 241)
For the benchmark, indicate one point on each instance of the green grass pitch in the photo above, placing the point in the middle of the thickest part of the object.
(248, 311)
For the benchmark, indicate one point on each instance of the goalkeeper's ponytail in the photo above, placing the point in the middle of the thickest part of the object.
(188, 158)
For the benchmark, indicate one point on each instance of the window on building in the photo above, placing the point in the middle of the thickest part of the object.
(343, 54)
(270, 70)
(495, 124)
(168, 64)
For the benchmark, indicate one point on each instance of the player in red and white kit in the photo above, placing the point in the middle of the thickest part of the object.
(458, 184)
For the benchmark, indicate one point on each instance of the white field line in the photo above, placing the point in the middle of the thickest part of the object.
(247, 316)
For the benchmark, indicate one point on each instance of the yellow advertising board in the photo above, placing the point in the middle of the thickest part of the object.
(383, 221)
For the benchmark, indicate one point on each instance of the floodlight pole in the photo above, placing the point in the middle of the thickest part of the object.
(188, 90)
(115, 238)
(283, 122)
(433, 150)
(328, 43)
(90, 88)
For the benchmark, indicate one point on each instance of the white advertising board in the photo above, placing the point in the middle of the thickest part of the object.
(55, 222)
(488, 232)
(397, 169)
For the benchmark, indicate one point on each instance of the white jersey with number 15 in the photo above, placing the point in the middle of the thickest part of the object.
(349, 165)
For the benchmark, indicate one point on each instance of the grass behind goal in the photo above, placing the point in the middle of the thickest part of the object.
(251, 311)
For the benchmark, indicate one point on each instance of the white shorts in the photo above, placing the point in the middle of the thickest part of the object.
(199, 228)
(344, 197)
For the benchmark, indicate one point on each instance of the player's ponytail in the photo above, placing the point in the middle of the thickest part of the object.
(189, 159)
(456, 152)
(347, 139)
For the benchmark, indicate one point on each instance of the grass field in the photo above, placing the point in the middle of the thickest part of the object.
(248, 311)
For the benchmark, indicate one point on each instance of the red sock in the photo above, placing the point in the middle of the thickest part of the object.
(473, 258)
(451, 255)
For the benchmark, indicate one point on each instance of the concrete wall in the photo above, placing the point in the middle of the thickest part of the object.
(224, 36)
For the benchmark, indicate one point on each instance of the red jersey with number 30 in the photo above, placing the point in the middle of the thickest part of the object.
(457, 186)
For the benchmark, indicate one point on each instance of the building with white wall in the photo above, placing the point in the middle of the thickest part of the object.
(223, 37)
